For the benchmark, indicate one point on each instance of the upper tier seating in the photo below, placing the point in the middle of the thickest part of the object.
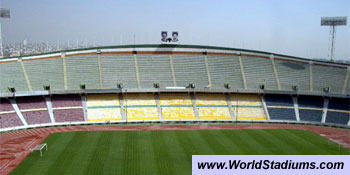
(118, 69)
(225, 69)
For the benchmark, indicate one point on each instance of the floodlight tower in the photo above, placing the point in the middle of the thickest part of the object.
(333, 22)
(4, 13)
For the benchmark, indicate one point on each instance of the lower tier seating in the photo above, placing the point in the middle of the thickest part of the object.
(310, 115)
(338, 117)
(281, 113)
(104, 107)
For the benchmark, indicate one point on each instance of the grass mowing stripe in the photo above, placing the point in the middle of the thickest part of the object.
(283, 145)
(235, 142)
(162, 152)
(176, 153)
(62, 164)
(211, 139)
(101, 150)
(300, 137)
(163, 160)
(258, 147)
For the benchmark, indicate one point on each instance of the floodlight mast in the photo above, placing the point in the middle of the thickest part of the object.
(333, 22)
(4, 13)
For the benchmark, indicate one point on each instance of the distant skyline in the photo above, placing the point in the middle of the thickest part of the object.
(284, 27)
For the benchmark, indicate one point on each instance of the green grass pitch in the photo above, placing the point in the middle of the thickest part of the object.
(162, 152)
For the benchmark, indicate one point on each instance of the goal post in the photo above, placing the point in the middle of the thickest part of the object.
(40, 148)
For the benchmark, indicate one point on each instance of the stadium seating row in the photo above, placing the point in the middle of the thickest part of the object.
(141, 71)
(35, 110)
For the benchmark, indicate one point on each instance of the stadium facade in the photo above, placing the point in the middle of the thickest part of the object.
(166, 83)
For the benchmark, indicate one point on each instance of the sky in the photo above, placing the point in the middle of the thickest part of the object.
(286, 27)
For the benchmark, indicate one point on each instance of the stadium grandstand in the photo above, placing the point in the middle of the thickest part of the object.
(171, 83)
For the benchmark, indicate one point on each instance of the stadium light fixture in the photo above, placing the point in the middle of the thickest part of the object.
(192, 85)
(326, 89)
(156, 85)
(262, 87)
(120, 85)
(227, 86)
(47, 87)
(333, 22)
(12, 89)
(82, 86)
(295, 88)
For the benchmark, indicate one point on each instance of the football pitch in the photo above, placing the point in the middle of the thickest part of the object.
(163, 152)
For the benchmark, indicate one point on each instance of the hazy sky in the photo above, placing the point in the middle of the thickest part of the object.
(289, 27)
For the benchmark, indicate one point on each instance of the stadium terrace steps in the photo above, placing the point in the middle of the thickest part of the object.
(67, 108)
(259, 71)
(328, 77)
(154, 69)
(45, 72)
(291, 74)
(190, 69)
(103, 107)
(8, 117)
(118, 69)
(11, 75)
(225, 69)
(82, 70)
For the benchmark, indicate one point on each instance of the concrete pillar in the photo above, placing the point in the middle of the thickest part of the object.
(49, 108)
(296, 108)
(18, 112)
(325, 109)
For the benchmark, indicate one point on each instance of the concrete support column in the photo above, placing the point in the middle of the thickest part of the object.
(172, 69)
(83, 101)
(296, 108)
(122, 111)
(228, 101)
(49, 108)
(18, 112)
(265, 107)
(242, 71)
(156, 96)
(325, 109)
(193, 98)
